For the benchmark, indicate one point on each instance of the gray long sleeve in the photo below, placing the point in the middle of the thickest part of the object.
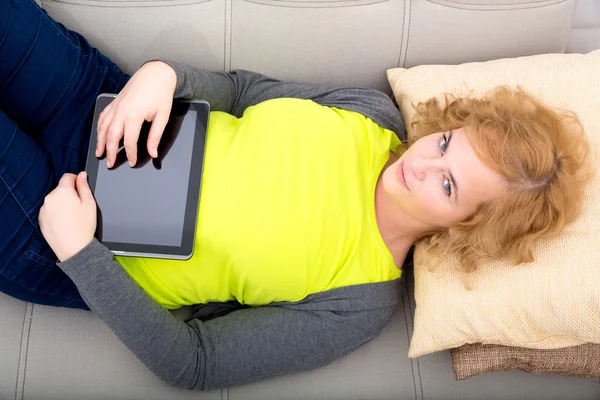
(233, 92)
(243, 346)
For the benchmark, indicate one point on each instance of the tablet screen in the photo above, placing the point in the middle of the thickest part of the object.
(146, 204)
(150, 209)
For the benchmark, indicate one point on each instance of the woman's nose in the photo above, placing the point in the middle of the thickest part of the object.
(424, 165)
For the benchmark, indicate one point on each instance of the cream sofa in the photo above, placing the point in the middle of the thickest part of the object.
(48, 353)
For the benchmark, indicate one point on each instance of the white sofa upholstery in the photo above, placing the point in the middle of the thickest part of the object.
(48, 353)
(585, 35)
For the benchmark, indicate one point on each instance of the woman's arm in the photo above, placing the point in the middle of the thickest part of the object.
(241, 347)
(148, 96)
(233, 92)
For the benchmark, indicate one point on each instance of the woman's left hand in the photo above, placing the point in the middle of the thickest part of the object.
(68, 216)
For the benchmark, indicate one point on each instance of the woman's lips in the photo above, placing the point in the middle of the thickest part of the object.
(402, 176)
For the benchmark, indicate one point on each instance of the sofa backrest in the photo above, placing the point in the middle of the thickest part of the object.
(585, 34)
(341, 42)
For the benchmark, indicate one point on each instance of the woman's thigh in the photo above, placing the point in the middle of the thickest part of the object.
(49, 80)
(28, 268)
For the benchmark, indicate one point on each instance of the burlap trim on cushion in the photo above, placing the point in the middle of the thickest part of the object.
(474, 359)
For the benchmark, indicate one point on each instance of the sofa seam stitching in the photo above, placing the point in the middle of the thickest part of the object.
(304, 6)
(420, 379)
(225, 36)
(412, 317)
(78, 4)
(412, 368)
(230, 34)
(571, 28)
(547, 2)
(401, 36)
(495, 9)
(20, 351)
(407, 36)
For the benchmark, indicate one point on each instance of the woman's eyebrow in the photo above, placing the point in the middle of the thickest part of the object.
(450, 133)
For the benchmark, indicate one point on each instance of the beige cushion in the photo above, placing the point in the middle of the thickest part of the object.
(553, 302)
(475, 359)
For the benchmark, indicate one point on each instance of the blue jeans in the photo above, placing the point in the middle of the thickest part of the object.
(49, 80)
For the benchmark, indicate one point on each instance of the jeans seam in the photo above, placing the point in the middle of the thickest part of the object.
(68, 84)
(3, 38)
(67, 87)
(102, 69)
(84, 152)
(112, 79)
(52, 23)
(109, 76)
(15, 197)
(22, 62)
(39, 264)
(31, 290)
(11, 140)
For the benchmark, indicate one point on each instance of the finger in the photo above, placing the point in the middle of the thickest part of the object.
(103, 124)
(115, 133)
(132, 133)
(67, 181)
(156, 130)
(83, 189)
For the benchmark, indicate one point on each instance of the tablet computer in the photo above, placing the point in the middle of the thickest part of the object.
(151, 209)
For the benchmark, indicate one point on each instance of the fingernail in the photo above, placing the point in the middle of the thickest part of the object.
(83, 175)
(131, 164)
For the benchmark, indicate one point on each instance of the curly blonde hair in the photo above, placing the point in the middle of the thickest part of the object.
(543, 155)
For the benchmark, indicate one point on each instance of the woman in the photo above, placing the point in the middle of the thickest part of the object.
(309, 202)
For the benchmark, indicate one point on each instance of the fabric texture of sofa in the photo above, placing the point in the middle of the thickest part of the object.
(50, 353)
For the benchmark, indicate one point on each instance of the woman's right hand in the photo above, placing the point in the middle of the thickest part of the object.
(148, 96)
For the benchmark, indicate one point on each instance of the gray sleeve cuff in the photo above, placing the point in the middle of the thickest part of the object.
(93, 254)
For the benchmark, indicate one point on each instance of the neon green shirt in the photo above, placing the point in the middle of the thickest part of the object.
(286, 209)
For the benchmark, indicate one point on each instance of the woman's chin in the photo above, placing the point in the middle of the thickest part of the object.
(391, 186)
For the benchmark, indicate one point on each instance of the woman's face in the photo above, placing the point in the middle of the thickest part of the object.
(439, 181)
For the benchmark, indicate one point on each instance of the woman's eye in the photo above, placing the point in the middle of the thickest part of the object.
(443, 144)
(447, 187)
